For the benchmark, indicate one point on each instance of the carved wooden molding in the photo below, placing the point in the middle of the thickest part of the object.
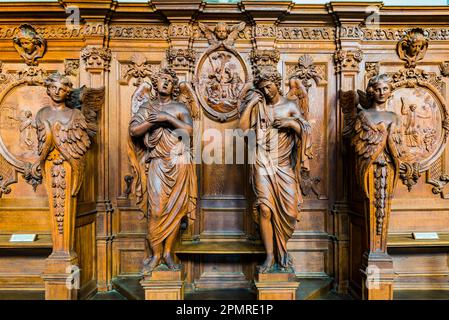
(57, 31)
(96, 58)
(395, 34)
(347, 60)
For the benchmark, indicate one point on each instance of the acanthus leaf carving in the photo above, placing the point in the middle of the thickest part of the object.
(307, 71)
(139, 68)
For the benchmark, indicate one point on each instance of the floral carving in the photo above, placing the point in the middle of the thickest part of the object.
(444, 68)
(347, 60)
(71, 67)
(181, 57)
(96, 58)
(139, 68)
(307, 71)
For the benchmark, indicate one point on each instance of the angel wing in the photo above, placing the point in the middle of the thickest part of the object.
(141, 96)
(234, 33)
(73, 141)
(298, 93)
(369, 140)
(188, 97)
(208, 32)
(89, 101)
(349, 101)
(44, 139)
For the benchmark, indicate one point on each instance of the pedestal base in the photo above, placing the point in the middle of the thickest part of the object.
(61, 277)
(276, 286)
(164, 284)
(378, 276)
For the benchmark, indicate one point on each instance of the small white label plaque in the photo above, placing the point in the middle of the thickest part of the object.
(23, 237)
(425, 236)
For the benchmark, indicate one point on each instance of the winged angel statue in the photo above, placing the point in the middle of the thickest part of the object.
(64, 129)
(283, 149)
(375, 135)
(160, 151)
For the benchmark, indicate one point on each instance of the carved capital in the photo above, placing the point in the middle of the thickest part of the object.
(347, 60)
(96, 58)
(181, 58)
(260, 58)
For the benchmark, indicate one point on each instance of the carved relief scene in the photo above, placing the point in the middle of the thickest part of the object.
(260, 150)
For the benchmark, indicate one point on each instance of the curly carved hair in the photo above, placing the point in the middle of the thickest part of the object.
(27, 32)
(268, 73)
(172, 74)
(374, 81)
(58, 77)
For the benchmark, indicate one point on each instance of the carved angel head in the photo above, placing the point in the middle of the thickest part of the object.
(413, 47)
(58, 87)
(221, 31)
(166, 82)
(268, 80)
(29, 44)
(379, 89)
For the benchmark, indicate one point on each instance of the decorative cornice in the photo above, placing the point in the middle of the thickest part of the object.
(396, 34)
(139, 32)
(305, 33)
(57, 31)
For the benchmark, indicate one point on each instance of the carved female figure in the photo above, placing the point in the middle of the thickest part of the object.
(168, 178)
(281, 139)
(376, 137)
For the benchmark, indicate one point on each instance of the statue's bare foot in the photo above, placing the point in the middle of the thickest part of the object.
(150, 263)
(169, 261)
(267, 265)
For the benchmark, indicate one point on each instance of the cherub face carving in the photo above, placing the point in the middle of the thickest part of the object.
(221, 31)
